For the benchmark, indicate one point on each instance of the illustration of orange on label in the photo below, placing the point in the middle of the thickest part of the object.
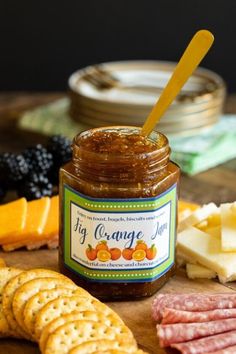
(115, 253)
(139, 255)
(91, 253)
(103, 256)
(141, 245)
(127, 253)
(102, 245)
(151, 252)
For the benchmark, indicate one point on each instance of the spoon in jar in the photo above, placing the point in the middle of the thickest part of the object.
(193, 55)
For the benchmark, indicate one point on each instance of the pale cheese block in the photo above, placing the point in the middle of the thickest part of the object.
(206, 250)
(228, 227)
(37, 212)
(198, 216)
(196, 271)
(12, 218)
(182, 259)
(186, 208)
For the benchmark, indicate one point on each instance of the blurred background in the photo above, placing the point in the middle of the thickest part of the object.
(43, 42)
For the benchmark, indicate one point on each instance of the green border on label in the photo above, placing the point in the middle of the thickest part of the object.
(119, 206)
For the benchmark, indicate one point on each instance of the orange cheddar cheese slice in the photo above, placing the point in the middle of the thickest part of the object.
(49, 235)
(12, 218)
(37, 213)
(51, 228)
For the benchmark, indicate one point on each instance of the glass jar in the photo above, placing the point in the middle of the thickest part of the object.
(118, 213)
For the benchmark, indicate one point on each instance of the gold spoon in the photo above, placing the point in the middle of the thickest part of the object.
(193, 55)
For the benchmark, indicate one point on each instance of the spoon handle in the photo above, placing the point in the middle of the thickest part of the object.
(193, 55)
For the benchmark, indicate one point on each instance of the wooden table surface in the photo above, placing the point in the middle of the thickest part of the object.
(217, 185)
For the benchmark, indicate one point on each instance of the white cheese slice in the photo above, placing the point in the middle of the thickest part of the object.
(206, 250)
(182, 259)
(196, 271)
(224, 280)
(198, 216)
(228, 227)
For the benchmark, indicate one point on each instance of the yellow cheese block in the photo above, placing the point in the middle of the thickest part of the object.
(196, 271)
(37, 212)
(228, 227)
(12, 218)
(185, 209)
(199, 216)
(206, 250)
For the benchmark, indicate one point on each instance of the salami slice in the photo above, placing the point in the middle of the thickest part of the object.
(208, 344)
(183, 332)
(192, 302)
(228, 350)
(177, 316)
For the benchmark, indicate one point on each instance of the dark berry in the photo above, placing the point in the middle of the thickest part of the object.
(3, 191)
(39, 159)
(13, 169)
(60, 148)
(35, 187)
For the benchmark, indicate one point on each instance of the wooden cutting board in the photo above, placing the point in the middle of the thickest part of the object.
(136, 314)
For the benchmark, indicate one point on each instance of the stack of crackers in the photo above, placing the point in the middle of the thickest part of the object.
(48, 308)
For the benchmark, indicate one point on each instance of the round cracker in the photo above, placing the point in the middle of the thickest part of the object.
(64, 305)
(12, 286)
(2, 263)
(103, 344)
(6, 273)
(29, 289)
(118, 351)
(71, 334)
(38, 301)
(99, 317)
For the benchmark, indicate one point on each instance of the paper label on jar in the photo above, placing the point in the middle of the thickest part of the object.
(119, 240)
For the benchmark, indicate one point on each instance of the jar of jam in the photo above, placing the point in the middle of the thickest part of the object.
(118, 202)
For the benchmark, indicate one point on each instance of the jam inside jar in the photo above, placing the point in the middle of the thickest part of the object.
(118, 212)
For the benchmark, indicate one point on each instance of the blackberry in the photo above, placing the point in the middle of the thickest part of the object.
(35, 187)
(60, 148)
(13, 169)
(39, 159)
(2, 192)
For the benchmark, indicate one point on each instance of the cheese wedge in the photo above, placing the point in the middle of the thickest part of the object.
(228, 227)
(12, 218)
(206, 250)
(196, 271)
(198, 216)
(37, 212)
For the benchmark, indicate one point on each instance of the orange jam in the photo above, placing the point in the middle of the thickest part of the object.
(118, 202)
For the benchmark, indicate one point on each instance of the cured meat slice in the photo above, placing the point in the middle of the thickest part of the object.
(192, 302)
(177, 316)
(207, 344)
(183, 332)
(228, 350)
